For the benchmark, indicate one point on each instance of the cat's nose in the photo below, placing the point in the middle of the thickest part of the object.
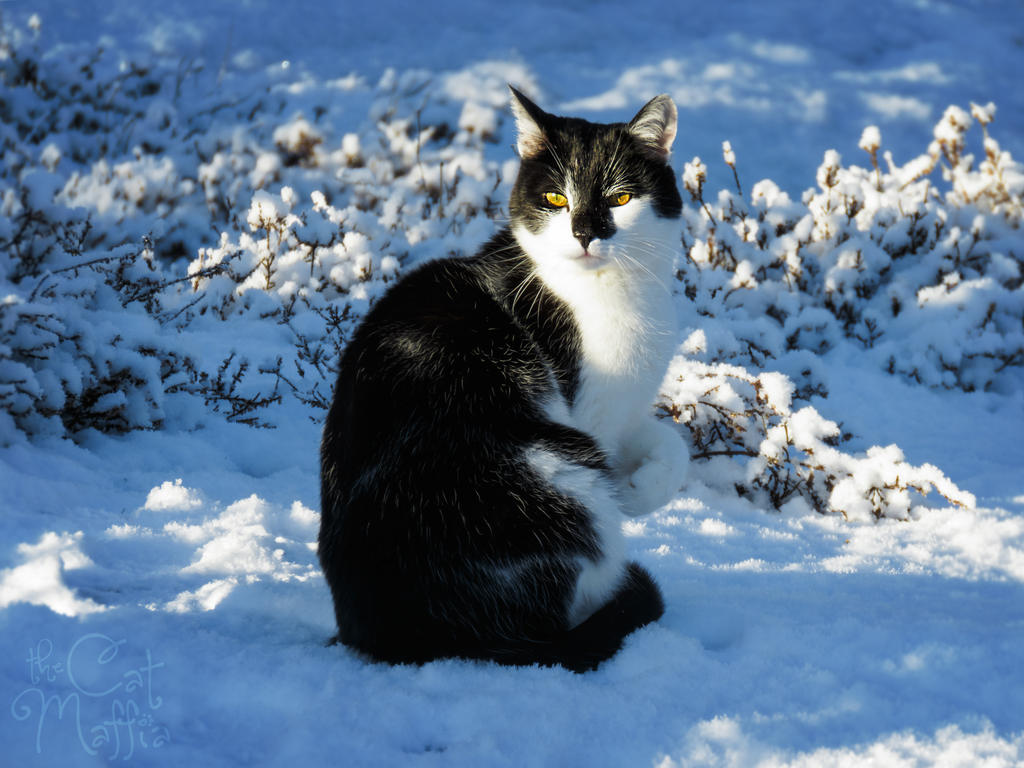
(586, 229)
(583, 232)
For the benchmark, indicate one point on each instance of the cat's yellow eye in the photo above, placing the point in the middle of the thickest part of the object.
(555, 199)
(621, 198)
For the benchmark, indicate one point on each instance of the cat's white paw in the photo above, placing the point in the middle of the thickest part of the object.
(663, 461)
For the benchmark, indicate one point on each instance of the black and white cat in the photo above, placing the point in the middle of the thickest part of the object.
(492, 421)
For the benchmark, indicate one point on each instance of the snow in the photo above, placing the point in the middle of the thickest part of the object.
(39, 579)
(844, 570)
(172, 497)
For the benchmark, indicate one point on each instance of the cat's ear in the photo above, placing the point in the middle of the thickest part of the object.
(655, 126)
(530, 120)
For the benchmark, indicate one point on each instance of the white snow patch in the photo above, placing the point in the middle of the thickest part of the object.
(206, 598)
(126, 531)
(233, 541)
(894, 105)
(960, 543)
(714, 527)
(634, 527)
(237, 541)
(303, 515)
(933, 656)
(781, 53)
(722, 743)
(39, 580)
(172, 496)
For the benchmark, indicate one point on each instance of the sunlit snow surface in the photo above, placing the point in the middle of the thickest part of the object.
(160, 601)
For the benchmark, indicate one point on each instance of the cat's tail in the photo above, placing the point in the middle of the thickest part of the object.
(637, 602)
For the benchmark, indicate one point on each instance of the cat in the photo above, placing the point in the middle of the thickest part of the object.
(492, 421)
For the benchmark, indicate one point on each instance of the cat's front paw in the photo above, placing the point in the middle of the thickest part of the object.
(650, 487)
(660, 474)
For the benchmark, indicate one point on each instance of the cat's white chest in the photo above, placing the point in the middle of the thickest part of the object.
(628, 334)
(623, 307)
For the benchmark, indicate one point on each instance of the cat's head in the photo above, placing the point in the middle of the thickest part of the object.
(591, 197)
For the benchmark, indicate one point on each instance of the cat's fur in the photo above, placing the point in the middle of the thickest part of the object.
(492, 418)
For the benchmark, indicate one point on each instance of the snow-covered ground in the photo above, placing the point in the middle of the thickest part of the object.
(160, 601)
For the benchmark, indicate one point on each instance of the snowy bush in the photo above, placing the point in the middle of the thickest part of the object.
(315, 265)
(745, 431)
(114, 174)
(82, 317)
(177, 240)
(924, 274)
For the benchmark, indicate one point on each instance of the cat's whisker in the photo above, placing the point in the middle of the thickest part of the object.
(632, 259)
(518, 291)
(634, 244)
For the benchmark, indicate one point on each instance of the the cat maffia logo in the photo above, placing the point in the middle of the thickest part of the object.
(99, 694)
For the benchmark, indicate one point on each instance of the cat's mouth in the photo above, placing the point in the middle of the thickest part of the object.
(591, 258)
